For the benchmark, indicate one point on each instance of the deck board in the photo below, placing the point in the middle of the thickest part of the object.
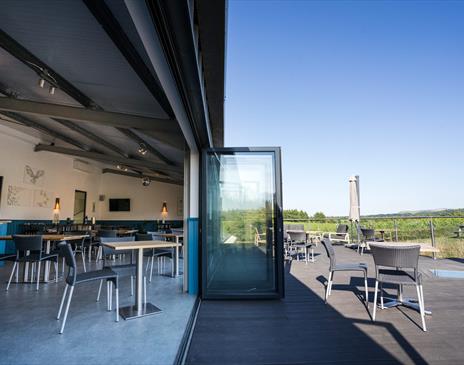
(303, 329)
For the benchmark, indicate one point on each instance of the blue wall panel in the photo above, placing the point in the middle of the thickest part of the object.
(193, 257)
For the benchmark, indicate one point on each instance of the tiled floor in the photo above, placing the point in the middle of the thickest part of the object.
(29, 329)
(302, 329)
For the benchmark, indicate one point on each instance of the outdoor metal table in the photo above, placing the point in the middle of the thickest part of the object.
(140, 309)
(400, 300)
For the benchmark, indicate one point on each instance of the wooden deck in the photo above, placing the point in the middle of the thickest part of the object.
(302, 329)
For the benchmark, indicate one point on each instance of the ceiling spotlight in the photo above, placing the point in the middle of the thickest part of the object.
(51, 90)
(122, 167)
(143, 149)
(41, 82)
(146, 181)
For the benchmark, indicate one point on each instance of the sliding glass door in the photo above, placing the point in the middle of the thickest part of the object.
(242, 253)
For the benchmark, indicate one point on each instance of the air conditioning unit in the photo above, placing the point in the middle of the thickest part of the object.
(82, 166)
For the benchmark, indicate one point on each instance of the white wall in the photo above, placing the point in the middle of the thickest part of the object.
(17, 150)
(146, 201)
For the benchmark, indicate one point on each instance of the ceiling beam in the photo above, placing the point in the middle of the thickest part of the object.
(106, 158)
(133, 174)
(93, 137)
(43, 70)
(113, 29)
(136, 138)
(86, 115)
(43, 129)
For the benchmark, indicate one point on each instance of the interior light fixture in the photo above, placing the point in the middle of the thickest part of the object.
(41, 82)
(143, 149)
(122, 167)
(164, 208)
(51, 90)
(146, 181)
(57, 204)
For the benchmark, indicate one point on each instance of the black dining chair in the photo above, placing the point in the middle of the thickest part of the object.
(123, 270)
(398, 266)
(73, 279)
(103, 233)
(29, 249)
(161, 254)
(335, 266)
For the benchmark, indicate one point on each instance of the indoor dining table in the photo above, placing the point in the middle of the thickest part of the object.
(139, 308)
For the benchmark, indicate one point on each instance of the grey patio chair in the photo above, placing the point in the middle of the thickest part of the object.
(73, 279)
(334, 266)
(399, 266)
(298, 243)
(368, 235)
(160, 254)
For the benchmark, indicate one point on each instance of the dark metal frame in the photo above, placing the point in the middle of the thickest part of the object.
(278, 223)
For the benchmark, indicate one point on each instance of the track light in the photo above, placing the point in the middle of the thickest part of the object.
(146, 181)
(143, 149)
(122, 167)
(41, 82)
(51, 90)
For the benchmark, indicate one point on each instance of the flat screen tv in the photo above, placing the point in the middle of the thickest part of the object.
(119, 205)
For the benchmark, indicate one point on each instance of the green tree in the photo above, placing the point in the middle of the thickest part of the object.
(319, 216)
(290, 214)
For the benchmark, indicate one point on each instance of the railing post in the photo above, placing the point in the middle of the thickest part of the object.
(432, 237)
(396, 230)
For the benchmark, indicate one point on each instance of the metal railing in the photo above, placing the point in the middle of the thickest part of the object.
(443, 232)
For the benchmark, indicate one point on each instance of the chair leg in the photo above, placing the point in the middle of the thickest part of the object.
(62, 265)
(32, 272)
(132, 285)
(38, 275)
(151, 268)
(117, 303)
(99, 290)
(421, 306)
(62, 301)
(111, 297)
(331, 283)
(56, 271)
(83, 259)
(11, 275)
(381, 296)
(312, 254)
(17, 272)
(328, 286)
(367, 292)
(375, 299)
(67, 309)
(107, 295)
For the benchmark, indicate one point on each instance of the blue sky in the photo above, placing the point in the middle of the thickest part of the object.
(368, 88)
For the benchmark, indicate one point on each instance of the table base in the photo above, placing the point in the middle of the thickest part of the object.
(131, 311)
(410, 303)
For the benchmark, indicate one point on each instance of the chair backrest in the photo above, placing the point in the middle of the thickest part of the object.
(342, 228)
(405, 257)
(67, 252)
(330, 251)
(297, 236)
(25, 243)
(156, 236)
(109, 251)
(107, 233)
(368, 233)
(143, 237)
(177, 230)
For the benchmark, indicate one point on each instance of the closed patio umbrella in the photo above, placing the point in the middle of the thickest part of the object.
(355, 211)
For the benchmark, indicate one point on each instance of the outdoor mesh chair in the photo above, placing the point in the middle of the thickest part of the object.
(334, 266)
(299, 245)
(399, 266)
(341, 234)
(368, 235)
(73, 279)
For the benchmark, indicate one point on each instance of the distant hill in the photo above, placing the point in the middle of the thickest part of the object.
(421, 213)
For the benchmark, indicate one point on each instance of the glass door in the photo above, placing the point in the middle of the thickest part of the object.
(242, 240)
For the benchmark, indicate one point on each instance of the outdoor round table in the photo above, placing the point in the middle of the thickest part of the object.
(141, 309)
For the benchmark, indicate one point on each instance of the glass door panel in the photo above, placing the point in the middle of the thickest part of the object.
(242, 223)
